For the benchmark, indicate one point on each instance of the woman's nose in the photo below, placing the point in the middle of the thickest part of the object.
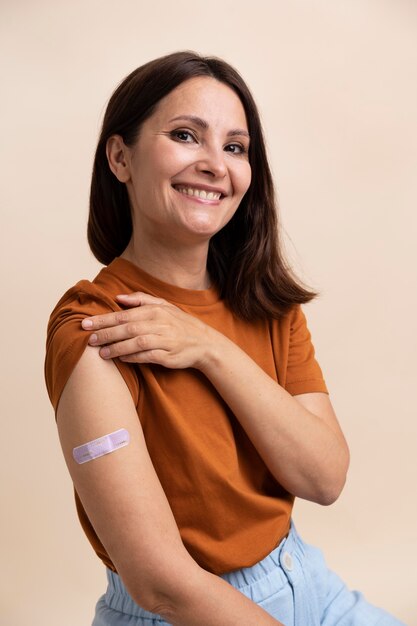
(213, 162)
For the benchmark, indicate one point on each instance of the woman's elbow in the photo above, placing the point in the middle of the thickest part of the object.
(161, 590)
(329, 490)
(328, 496)
(153, 597)
(156, 601)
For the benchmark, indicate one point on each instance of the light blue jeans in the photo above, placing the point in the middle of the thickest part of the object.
(292, 583)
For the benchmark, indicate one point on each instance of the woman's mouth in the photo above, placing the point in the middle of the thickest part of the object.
(200, 194)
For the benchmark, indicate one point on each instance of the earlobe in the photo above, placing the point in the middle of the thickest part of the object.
(116, 152)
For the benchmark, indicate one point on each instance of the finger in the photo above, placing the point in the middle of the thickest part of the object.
(139, 298)
(158, 357)
(104, 321)
(123, 332)
(110, 320)
(137, 344)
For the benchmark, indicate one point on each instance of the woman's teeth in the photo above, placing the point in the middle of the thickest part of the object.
(199, 193)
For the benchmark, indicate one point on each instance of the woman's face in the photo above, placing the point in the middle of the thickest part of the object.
(189, 169)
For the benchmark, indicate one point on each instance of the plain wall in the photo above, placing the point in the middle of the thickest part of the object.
(336, 85)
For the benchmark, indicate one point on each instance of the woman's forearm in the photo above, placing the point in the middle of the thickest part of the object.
(304, 454)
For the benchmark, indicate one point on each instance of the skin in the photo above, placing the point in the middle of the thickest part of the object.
(298, 437)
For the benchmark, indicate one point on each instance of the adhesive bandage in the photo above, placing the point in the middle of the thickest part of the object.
(101, 446)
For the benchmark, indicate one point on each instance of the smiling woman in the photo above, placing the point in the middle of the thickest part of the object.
(190, 407)
(172, 173)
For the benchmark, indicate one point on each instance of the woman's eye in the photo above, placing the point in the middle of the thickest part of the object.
(237, 148)
(182, 135)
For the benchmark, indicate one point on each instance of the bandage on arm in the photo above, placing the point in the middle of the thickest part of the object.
(101, 446)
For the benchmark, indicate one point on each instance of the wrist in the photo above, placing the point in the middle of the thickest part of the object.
(213, 347)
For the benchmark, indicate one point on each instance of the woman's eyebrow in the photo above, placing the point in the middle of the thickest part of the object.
(203, 124)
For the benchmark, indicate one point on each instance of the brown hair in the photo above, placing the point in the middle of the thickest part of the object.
(245, 258)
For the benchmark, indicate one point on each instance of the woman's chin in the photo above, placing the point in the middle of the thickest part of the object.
(205, 224)
(202, 229)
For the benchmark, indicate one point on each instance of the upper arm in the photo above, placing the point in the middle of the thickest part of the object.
(120, 491)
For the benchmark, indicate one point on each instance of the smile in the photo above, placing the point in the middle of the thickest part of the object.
(199, 193)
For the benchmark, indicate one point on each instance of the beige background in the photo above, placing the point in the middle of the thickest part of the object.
(336, 85)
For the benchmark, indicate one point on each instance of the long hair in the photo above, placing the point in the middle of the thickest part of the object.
(246, 260)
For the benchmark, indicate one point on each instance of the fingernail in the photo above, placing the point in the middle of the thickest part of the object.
(93, 338)
(105, 352)
(87, 323)
(123, 295)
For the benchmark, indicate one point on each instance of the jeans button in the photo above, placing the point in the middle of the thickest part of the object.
(287, 561)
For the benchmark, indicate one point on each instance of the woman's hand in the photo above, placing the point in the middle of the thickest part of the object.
(154, 331)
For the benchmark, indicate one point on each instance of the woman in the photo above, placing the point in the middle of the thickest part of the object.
(190, 407)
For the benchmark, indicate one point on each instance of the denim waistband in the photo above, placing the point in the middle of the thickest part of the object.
(282, 564)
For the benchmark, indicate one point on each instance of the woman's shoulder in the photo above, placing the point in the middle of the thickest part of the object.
(66, 340)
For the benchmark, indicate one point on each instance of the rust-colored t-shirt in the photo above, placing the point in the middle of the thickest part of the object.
(229, 509)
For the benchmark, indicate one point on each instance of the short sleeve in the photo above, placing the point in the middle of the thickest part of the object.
(66, 340)
(303, 374)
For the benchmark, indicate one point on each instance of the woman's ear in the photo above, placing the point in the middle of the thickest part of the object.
(118, 157)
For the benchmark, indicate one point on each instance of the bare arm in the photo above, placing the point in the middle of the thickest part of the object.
(127, 506)
(299, 439)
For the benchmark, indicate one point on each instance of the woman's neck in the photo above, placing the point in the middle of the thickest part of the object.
(186, 268)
